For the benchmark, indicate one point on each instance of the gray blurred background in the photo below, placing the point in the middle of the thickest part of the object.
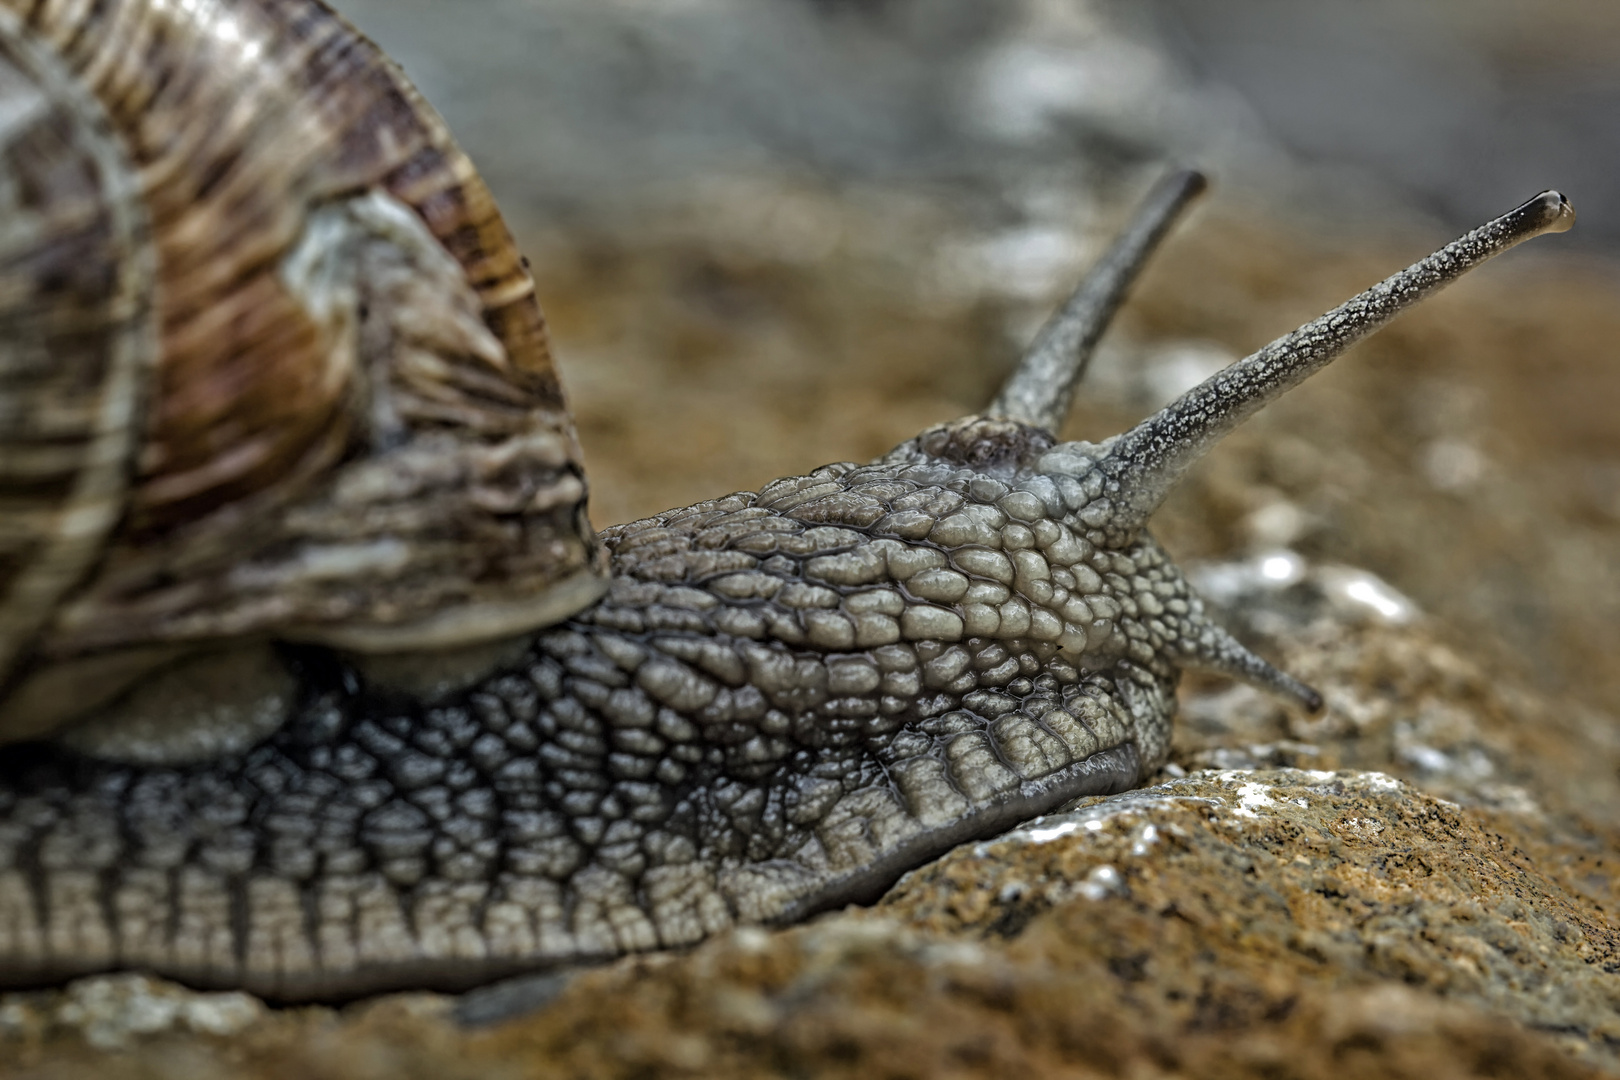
(1454, 108)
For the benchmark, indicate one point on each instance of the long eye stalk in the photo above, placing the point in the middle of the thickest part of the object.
(1148, 460)
(1040, 391)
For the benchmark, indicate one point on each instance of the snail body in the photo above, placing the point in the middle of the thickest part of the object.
(742, 711)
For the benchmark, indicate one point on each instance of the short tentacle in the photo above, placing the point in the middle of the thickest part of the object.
(1213, 648)
(1041, 390)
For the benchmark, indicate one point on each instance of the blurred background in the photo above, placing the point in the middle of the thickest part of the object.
(774, 233)
(582, 107)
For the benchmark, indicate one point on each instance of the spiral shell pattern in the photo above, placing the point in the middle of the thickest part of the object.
(273, 363)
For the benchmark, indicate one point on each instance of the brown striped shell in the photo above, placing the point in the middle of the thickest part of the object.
(271, 365)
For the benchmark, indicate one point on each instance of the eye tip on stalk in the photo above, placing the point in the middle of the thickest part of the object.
(1190, 181)
(1552, 211)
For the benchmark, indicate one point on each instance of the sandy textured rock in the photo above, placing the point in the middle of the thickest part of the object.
(1217, 898)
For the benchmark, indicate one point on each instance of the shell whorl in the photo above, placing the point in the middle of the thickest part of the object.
(79, 341)
(313, 392)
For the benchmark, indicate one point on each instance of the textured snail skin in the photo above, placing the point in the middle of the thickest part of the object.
(786, 700)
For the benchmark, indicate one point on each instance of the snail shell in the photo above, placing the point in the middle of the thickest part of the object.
(272, 364)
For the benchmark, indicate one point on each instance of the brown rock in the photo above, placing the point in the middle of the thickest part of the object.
(1218, 901)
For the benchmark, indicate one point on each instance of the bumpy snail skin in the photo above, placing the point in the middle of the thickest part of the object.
(785, 700)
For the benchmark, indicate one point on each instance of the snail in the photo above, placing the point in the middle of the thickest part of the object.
(314, 678)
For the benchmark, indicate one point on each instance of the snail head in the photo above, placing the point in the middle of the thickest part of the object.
(1128, 598)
